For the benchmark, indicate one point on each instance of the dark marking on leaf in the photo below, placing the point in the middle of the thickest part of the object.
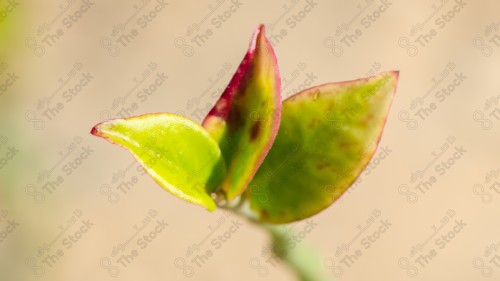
(255, 130)
(314, 122)
(245, 81)
(323, 164)
(345, 145)
(235, 120)
(264, 213)
(369, 117)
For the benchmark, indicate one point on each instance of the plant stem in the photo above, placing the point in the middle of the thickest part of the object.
(300, 258)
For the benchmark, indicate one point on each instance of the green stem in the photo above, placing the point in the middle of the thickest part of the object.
(302, 259)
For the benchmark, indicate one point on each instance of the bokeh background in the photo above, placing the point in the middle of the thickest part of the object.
(74, 207)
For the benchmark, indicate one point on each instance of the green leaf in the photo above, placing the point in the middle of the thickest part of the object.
(246, 118)
(327, 136)
(178, 153)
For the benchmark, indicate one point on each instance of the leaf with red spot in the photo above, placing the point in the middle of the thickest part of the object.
(327, 136)
(246, 118)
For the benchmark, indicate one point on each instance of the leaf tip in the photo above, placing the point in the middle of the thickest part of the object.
(97, 130)
(391, 78)
(260, 42)
(394, 74)
(102, 128)
(261, 28)
(259, 33)
(107, 130)
(94, 131)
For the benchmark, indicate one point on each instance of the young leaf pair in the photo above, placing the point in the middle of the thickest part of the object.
(288, 159)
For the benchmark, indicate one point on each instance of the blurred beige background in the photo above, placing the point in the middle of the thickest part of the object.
(73, 207)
